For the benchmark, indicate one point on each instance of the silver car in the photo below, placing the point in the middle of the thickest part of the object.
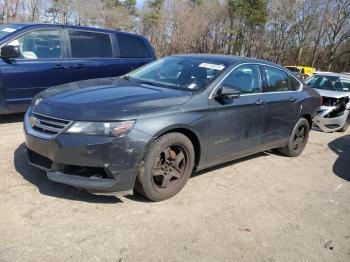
(335, 91)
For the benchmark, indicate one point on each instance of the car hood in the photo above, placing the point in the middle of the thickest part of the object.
(105, 99)
(334, 94)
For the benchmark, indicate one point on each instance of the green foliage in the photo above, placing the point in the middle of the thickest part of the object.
(156, 5)
(151, 18)
(130, 6)
(195, 3)
(254, 12)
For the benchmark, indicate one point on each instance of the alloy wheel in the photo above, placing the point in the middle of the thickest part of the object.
(169, 168)
(299, 137)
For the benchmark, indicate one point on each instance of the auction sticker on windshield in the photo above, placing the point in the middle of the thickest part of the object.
(212, 66)
(8, 30)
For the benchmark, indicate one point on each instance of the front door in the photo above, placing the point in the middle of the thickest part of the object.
(42, 64)
(235, 127)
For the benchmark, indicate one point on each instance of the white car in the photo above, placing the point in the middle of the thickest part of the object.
(335, 91)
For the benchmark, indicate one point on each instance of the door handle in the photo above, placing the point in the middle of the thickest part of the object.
(260, 102)
(59, 67)
(78, 66)
(293, 99)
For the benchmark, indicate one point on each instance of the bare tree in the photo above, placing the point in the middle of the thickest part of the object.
(312, 32)
(338, 28)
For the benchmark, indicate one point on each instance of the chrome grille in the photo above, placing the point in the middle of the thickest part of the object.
(47, 125)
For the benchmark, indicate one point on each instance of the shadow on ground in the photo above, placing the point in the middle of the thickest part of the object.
(218, 167)
(49, 188)
(341, 146)
(13, 118)
(46, 187)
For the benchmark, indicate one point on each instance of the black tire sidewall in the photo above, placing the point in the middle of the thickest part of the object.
(289, 150)
(145, 174)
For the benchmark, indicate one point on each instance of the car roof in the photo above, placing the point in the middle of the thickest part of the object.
(295, 66)
(228, 59)
(28, 24)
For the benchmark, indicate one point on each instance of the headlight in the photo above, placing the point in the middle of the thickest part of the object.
(101, 129)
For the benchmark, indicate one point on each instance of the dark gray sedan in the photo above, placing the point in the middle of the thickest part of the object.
(150, 129)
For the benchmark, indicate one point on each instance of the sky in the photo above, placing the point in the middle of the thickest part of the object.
(140, 3)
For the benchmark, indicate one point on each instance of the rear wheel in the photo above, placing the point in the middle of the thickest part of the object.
(166, 167)
(297, 140)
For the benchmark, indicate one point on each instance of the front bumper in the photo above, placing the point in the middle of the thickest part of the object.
(330, 124)
(101, 165)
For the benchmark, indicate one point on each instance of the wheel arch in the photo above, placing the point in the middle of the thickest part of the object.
(308, 117)
(190, 134)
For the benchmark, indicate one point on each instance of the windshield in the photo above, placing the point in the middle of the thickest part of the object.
(185, 73)
(333, 83)
(7, 29)
(293, 69)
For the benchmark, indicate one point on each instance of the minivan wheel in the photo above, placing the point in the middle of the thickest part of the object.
(297, 140)
(165, 167)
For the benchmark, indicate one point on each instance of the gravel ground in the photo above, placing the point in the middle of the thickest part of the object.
(262, 208)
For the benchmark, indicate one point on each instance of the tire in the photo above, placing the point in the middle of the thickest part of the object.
(301, 132)
(346, 125)
(166, 166)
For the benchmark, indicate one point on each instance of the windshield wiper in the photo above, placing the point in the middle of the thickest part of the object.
(146, 82)
(126, 77)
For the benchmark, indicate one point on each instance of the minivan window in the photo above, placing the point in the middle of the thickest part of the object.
(90, 44)
(39, 44)
(7, 29)
(132, 47)
(245, 78)
(277, 80)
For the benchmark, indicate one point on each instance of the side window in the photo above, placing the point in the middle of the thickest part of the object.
(90, 44)
(40, 44)
(277, 80)
(132, 47)
(245, 78)
(295, 83)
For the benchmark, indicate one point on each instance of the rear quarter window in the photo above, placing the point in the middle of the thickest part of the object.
(277, 80)
(90, 44)
(132, 47)
(295, 83)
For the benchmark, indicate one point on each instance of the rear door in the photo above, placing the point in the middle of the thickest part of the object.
(42, 64)
(283, 104)
(91, 54)
(133, 52)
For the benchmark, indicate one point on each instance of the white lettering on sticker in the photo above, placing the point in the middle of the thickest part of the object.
(212, 66)
(8, 30)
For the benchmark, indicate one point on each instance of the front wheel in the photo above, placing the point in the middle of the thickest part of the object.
(297, 140)
(165, 167)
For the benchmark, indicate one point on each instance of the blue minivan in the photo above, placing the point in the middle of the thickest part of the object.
(34, 57)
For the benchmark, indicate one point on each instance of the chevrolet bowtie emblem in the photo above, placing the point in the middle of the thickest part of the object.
(33, 121)
(37, 101)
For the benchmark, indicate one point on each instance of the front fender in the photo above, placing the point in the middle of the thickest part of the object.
(3, 104)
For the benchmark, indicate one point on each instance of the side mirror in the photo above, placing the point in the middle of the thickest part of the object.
(228, 91)
(10, 51)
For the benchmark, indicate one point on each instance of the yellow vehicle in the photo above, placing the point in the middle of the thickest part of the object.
(302, 71)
